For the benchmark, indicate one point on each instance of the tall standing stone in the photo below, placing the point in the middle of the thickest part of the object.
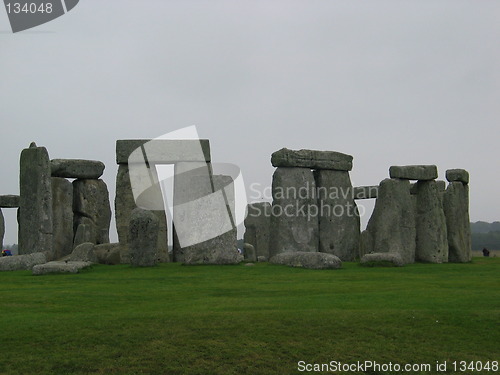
(257, 226)
(143, 237)
(203, 205)
(456, 210)
(2, 229)
(294, 227)
(35, 202)
(62, 210)
(339, 223)
(432, 238)
(391, 228)
(125, 204)
(91, 207)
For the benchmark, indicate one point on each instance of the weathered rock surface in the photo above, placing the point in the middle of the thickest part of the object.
(203, 224)
(365, 192)
(124, 205)
(257, 226)
(215, 255)
(456, 210)
(143, 237)
(83, 253)
(293, 226)
(91, 206)
(35, 202)
(9, 201)
(22, 262)
(316, 261)
(392, 228)
(312, 159)
(382, 258)
(2, 229)
(62, 219)
(108, 253)
(76, 168)
(164, 151)
(414, 172)
(261, 259)
(84, 233)
(249, 252)
(432, 237)
(457, 175)
(339, 223)
(59, 267)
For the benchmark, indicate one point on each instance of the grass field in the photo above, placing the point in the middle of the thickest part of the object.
(261, 319)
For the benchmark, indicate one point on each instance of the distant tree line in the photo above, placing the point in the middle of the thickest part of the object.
(485, 235)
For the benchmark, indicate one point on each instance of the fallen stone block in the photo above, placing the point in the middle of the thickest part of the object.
(457, 175)
(312, 159)
(22, 262)
(315, 261)
(382, 259)
(108, 253)
(83, 253)
(414, 172)
(9, 201)
(59, 267)
(76, 168)
(220, 256)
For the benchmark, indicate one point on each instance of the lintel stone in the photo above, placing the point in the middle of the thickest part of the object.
(165, 151)
(9, 201)
(312, 159)
(414, 172)
(459, 175)
(76, 168)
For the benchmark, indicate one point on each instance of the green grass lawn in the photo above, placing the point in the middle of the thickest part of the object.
(261, 319)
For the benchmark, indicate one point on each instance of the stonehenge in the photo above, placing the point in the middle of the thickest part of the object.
(143, 237)
(313, 220)
(313, 204)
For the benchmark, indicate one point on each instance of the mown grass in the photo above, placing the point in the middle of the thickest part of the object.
(260, 319)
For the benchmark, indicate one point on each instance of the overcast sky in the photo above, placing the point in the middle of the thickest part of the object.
(389, 82)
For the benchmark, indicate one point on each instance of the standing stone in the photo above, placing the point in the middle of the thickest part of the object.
(294, 225)
(62, 211)
(84, 233)
(143, 238)
(124, 205)
(91, 206)
(432, 241)
(249, 252)
(339, 223)
(35, 202)
(2, 229)
(204, 227)
(456, 210)
(257, 226)
(391, 228)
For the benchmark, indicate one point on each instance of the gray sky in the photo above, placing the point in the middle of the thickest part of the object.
(389, 82)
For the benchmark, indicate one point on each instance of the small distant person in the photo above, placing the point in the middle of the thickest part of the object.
(6, 253)
(486, 252)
